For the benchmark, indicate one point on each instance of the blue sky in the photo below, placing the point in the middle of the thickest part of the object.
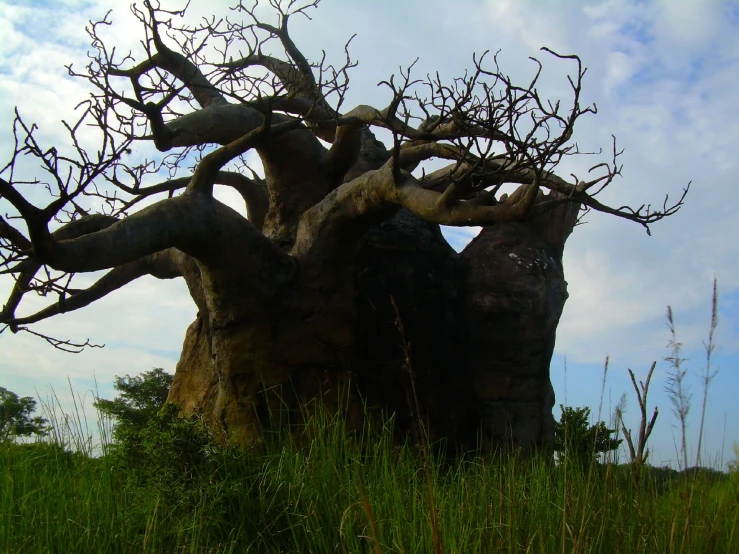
(664, 76)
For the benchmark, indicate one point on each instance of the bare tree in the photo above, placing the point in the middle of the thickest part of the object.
(638, 451)
(294, 302)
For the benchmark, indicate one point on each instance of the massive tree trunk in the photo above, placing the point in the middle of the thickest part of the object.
(479, 328)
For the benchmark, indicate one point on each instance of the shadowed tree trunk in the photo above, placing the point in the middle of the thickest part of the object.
(481, 327)
(338, 286)
(514, 293)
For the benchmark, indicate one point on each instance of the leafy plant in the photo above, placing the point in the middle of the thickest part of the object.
(579, 442)
(169, 453)
(15, 417)
(153, 446)
(140, 398)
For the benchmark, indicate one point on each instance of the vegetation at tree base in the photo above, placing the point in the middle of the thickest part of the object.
(174, 457)
(578, 441)
(166, 485)
(16, 419)
(331, 490)
(154, 447)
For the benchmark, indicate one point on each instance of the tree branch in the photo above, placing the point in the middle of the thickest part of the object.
(195, 224)
(174, 63)
(442, 209)
(253, 191)
(330, 229)
(162, 265)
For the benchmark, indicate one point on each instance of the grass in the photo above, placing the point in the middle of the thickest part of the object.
(333, 491)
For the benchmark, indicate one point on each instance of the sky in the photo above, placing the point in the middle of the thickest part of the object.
(664, 76)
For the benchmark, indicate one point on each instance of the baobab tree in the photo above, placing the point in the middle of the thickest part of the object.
(338, 285)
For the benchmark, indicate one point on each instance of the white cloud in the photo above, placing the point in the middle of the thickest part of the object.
(688, 23)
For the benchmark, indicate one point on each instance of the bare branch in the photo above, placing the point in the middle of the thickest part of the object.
(64, 345)
(162, 265)
(253, 191)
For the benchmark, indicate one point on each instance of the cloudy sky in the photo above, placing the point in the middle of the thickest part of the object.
(664, 75)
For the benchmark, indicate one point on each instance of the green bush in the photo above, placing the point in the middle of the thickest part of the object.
(578, 442)
(172, 462)
(173, 456)
(140, 398)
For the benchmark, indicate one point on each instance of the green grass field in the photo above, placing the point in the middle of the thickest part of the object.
(338, 492)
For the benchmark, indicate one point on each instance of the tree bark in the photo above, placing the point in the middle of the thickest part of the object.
(479, 327)
(514, 294)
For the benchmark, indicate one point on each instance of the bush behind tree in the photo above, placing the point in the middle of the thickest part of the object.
(579, 442)
(166, 458)
(175, 457)
(140, 398)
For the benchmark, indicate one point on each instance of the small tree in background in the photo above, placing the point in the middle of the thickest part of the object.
(140, 398)
(578, 441)
(15, 417)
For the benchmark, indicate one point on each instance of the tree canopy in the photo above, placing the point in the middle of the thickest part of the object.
(16, 417)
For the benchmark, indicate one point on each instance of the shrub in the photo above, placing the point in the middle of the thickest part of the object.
(140, 398)
(579, 442)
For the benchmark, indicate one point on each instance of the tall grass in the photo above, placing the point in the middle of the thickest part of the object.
(334, 491)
